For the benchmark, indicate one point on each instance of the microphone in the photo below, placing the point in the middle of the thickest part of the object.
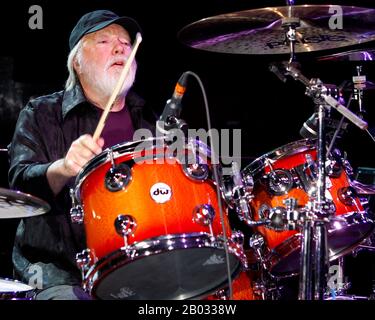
(172, 109)
(310, 127)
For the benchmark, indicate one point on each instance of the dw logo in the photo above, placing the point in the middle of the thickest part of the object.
(161, 192)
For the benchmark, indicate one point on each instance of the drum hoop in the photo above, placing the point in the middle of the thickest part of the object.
(120, 150)
(293, 243)
(289, 149)
(154, 246)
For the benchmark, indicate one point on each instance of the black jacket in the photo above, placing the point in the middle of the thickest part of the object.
(46, 245)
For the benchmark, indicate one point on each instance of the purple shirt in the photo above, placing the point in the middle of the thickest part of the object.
(118, 128)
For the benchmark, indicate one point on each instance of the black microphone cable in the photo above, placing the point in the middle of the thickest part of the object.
(217, 181)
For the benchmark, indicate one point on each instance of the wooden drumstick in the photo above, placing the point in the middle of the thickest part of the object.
(118, 87)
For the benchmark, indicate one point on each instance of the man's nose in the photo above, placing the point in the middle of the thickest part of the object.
(119, 48)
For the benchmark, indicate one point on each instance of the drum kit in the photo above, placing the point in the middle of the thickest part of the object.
(162, 230)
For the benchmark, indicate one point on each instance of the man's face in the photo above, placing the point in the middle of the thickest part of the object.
(102, 58)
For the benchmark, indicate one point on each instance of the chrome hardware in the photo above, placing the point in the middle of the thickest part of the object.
(203, 214)
(222, 294)
(257, 243)
(273, 218)
(279, 182)
(348, 168)
(76, 214)
(196, 171)
(264, 211)
(292, 213)
(83, 260)
(238, 237)
(248, 181)
(347, 195)
(118, 177)
(76, 211)
(333, 168)
(307, 174)
(278, 219)
(241, 193)
(125, 225)
(236, 188)
(290, 204)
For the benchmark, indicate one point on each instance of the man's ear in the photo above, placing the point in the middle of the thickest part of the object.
(76, 65)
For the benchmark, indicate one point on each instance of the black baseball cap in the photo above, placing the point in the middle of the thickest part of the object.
(99, 19)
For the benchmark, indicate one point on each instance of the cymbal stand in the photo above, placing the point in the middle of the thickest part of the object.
(290, 24)
(313, 275)
(359, 83)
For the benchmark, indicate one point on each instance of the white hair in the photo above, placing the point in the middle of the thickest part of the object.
(72, 78)
(76, 53)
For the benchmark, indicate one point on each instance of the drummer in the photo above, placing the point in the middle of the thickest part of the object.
(53, 141)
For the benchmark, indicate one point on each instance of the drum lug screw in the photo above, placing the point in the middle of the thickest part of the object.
(347, 195)
(257, 243)
(238, 238)
(117, 177)
(125, 225)
(196, 171)
(204, 214)
(76, 212)
(83, 260)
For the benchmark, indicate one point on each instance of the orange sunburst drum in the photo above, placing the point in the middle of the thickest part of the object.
(152, 223)
(287, 174)
(242, 289)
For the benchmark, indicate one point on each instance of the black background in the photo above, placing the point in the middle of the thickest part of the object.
(241, 92)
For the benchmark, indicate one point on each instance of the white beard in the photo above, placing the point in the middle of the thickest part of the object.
(105, 80)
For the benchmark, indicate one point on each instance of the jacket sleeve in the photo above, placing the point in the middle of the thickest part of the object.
(28, 157)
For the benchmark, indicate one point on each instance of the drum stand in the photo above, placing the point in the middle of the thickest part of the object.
(314, 250)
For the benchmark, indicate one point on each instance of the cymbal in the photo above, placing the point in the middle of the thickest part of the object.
(352, 55)
(16, 204)
(365, 86)
(260, 31)
(362, 188)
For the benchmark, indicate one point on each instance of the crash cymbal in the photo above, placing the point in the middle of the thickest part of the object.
(362, 188)
(352, 55)
(15, 204)
(260, 31)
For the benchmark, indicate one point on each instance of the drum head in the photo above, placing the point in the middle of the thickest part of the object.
(174, 275)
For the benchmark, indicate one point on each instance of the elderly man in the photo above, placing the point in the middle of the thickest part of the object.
(53, 141)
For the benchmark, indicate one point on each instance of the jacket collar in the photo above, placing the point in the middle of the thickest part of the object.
(72, 98)
(75, 97)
